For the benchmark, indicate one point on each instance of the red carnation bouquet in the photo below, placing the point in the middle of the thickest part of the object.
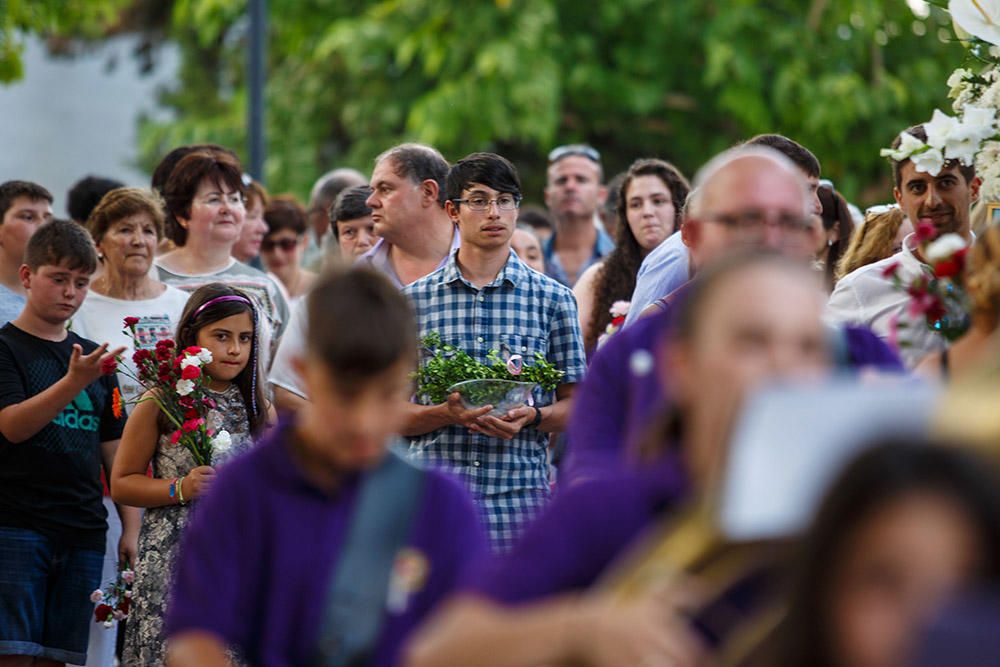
(936, 296)
(113, 603)
(176, 381)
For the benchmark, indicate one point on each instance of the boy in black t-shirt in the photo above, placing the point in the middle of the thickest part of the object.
(57, 426)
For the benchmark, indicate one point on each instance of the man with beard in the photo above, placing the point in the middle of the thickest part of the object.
(936, 204)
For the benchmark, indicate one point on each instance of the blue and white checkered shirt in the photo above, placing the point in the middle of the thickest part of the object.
(529, 313)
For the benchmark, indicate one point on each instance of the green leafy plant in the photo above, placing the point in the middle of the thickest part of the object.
(446, 365)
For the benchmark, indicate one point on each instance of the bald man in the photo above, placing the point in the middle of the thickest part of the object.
(748, 197)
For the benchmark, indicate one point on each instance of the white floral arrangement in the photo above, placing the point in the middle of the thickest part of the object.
(948, 138)
(977, 86)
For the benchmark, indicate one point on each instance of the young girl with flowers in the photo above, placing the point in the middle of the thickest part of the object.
(218, 339)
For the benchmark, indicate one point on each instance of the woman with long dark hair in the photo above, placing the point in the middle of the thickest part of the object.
(837, 228)
(649, 205)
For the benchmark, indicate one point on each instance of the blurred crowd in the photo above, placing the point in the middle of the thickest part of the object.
(744, 328)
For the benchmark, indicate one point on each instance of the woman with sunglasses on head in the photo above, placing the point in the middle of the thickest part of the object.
(284, 244)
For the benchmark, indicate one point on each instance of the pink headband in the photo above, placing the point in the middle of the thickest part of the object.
(220, 299)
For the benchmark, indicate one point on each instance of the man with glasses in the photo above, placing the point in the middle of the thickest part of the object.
(668, 266)
(574, 194)
(484, 298)
(748, 197)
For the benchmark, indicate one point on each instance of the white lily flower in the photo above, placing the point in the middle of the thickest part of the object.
(944, 247)
(908, 145)
(983, 118)
(963, 143)
(980, 18)
(184, 387)
(938, 128)
(930, 161)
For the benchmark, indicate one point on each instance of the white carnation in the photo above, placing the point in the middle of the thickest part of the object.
(620, 308)
(190, 361)
(205, 356)
(184, 387)
(222, 442)
(944, 247)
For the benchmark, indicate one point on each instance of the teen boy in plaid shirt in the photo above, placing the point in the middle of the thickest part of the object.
(484, 298)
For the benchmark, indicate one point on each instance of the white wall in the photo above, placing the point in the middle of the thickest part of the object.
(68, 118)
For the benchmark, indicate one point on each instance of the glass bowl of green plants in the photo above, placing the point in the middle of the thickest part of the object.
(503, 395)
(447, 369)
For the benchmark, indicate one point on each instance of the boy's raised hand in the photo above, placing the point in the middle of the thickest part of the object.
(85, 368)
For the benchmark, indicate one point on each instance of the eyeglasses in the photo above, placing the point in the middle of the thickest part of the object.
(232, 200)
(288, 245)
(503, 202)
(568, 150)
(753, 223)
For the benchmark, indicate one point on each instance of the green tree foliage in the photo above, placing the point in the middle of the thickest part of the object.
(680, 80)
(87, 19)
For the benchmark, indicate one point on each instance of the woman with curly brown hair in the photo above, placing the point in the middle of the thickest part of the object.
(649, 205)
(978, 344)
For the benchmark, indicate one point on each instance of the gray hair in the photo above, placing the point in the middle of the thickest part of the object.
(332, 183)
(419, 163)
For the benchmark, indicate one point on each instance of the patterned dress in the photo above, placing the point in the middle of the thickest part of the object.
(161, 532)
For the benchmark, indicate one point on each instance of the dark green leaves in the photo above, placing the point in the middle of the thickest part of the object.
(445, 365)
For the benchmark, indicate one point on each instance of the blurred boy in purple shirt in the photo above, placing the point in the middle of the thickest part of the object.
(267, 546)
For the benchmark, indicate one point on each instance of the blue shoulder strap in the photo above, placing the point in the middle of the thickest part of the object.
(839, 348)
(356, 600)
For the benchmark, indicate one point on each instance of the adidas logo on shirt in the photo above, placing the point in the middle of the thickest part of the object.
(79, 414)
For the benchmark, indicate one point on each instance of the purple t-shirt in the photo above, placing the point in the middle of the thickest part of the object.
(257, 558)
(584, 529)
(621, 393)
